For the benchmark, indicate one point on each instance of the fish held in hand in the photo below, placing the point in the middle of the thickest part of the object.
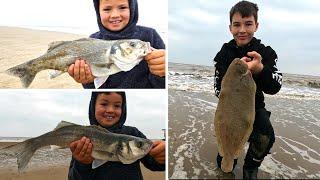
(235, 113)
(103, 57)
(107, 146)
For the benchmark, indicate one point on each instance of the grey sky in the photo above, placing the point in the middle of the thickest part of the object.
(198, 29)
(34, 112)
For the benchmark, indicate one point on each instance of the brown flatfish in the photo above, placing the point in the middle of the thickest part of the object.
(235, 113)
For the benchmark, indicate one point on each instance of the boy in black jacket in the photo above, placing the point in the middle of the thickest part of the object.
(117, 19)
(261, 61)
(109, 110)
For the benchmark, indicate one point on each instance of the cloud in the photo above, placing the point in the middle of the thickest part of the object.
(199, 16)
(75, 16)
(280, 18)
(289, 27)
(31, 113)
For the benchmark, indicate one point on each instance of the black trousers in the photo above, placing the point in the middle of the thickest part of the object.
(261, 140)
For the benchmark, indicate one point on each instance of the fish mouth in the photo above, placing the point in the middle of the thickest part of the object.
(248, 73)
(150, 143)
(149, 49)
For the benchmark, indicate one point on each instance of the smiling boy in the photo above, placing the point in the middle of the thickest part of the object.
(109, 111)
(261, 61)
(117, 19)
(114, 16)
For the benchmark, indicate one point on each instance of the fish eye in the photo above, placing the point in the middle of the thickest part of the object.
(132, 44)
(139, 144)
(113, 49)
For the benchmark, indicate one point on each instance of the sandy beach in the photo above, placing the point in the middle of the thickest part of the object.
(18, 45)
(60, 172)
(50, 165)
(192, 143)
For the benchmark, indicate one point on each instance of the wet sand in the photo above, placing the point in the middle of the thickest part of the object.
(49, 173)
(192, 143)
(60, 172)
(18, 45)
(50, 165)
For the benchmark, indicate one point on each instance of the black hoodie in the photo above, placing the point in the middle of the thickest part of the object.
(113, 170)
(269, 80)
(139, 76)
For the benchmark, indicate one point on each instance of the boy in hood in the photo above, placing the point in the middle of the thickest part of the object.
(117, 19)
(108, 109)
(261, 61)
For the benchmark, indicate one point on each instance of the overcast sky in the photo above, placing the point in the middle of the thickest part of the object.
(198, 29)
(76, 16)
(35, 112)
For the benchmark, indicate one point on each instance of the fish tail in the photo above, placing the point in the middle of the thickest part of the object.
(22, 151)
(24, 72)
(227, 164)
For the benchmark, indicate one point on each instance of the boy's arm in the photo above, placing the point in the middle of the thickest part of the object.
(150, 163)
(270, 78)
(220, 71)
(157, 43)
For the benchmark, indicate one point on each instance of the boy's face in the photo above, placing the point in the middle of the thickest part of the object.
(243, 28)
(108, 109)
(114, 14)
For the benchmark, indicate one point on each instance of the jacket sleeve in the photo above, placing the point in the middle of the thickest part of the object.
(88, 86)
(157, 81)
(270, 78)
(152, 164)
(157, 42)
(78, 171)
(220, 71)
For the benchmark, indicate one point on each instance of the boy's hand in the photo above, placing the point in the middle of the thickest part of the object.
(254, 65)
(158, 151)
(81, 72)
(81, 150)
(156, 62)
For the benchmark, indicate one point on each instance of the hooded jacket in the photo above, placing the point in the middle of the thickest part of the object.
(269, 80)
(113, 170)
(139, 76)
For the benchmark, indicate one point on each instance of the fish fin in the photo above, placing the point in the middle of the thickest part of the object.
(127, 66)
(227, 164)
(54, 147)
(90, 39)
(98, 162)
(101, 128)
(55, 44)
(98, 81)
(22, 71)
(104, 155)
(23, 151)
(100, 70)
(85, 39)
(64, 124)
(55, 73)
